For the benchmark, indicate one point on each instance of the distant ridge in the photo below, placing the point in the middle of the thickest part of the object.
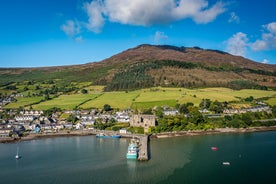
(157, 65)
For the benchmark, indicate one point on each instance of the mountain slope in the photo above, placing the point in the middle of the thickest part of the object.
(148, 65)
(196, 55)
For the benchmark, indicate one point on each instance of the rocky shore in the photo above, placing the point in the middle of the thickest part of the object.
(215, 131)
(159, 135)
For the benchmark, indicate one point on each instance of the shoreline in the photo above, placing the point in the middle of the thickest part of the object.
(34, 136)
(214, 132)
(152, 136)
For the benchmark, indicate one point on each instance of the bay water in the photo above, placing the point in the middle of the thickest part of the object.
(87, 159)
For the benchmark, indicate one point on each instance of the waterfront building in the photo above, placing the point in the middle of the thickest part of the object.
(143, 120)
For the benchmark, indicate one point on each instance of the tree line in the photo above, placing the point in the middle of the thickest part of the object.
(189, 118)
(136, 76)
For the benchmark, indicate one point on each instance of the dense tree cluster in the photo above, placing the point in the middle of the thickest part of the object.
(244, 84)
(136, 76)
(200, 122)
(191, 119)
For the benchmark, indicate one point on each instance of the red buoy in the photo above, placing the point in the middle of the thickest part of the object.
(214, 148)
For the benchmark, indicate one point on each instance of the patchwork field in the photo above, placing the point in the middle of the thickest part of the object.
(65, 101)
(143, 99)
(26, 101)
(121, 100)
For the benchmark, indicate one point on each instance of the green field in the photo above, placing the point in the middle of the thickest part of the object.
(151, 104)
(21, 102)
(68, 102)
(145, 98)
(271, 101)
(121, 100)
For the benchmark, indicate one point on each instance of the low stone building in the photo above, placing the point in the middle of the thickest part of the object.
(142, 120)
(5, 132)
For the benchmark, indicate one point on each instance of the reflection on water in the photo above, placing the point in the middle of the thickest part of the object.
(175, 160)
(132, 164)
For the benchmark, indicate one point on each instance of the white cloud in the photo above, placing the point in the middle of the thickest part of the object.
(237, 44)
(271, 27)
(234, 18)
(259, 45)
(208, 15)
(79, 39)
(71, 28)
(159, 37)
(94, 11)
(149, 12)
(268, 40)
(265, 61)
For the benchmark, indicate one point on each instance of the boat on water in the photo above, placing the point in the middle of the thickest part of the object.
(214, 148)
(132, 150)
(102, 135)
(226, 163)
(17, 156)
(116, 136)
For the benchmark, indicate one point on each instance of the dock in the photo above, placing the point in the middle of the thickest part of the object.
(143, 154)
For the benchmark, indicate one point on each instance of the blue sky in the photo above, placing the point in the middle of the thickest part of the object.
(63, 32)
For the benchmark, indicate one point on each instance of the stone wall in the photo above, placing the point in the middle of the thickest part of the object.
(142, 120)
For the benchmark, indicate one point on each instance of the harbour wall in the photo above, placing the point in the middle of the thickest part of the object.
(144, 151)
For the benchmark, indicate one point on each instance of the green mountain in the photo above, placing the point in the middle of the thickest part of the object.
(150, 65)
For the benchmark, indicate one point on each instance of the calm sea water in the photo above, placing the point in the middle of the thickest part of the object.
(88, 159)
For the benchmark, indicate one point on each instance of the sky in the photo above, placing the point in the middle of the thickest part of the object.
(65, 32)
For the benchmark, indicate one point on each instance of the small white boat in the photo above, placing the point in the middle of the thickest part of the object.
(17, 155)
(226, 163)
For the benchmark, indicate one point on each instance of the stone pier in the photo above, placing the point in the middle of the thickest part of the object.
(143, 154)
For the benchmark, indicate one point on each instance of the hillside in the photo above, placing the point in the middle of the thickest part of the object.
(148, 65)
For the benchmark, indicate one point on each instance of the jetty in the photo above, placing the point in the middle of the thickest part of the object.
(143, 154)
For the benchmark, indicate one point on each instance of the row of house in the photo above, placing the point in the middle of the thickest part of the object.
(34, 126)
(35, 121)
(89, 119)
(31, 113)
(24, 118)
(245, 110)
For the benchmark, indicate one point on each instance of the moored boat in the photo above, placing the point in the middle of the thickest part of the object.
(116, 136)
(226, 163)
(214, 148)
(132, 150)
(102, 135)
(17, 155)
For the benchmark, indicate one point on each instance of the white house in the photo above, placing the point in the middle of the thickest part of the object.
(123, 131)
(170, 112)
(24, 118)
